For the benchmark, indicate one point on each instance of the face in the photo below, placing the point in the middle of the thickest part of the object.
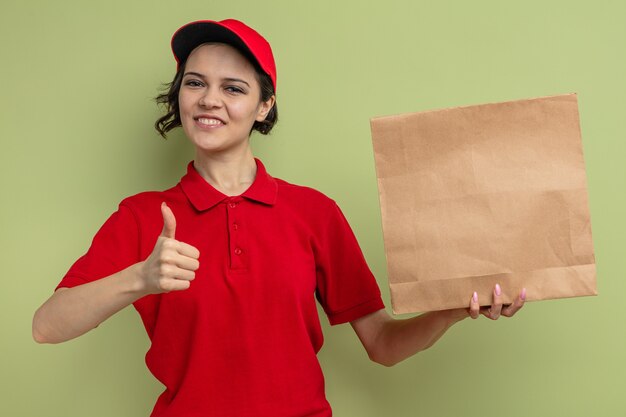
(220, 99)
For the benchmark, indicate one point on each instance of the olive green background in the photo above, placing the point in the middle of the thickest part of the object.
(77, 81)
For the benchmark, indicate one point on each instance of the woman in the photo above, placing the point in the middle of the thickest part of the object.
(224, 268)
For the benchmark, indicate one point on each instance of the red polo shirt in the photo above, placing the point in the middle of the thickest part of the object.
(242, 341)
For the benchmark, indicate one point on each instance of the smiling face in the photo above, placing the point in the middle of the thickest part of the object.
(219, 99)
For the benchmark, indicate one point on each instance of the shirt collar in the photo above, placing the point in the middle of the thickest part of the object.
(203, 195)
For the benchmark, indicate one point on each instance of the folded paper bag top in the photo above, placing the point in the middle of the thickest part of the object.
(477, 195)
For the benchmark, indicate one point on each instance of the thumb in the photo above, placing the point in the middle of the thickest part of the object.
(169, 221)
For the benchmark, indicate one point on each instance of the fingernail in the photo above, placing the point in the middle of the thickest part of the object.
(498, 289)
(475, 297)
(523, 294)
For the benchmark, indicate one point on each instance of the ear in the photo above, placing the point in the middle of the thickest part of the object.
(264, 108)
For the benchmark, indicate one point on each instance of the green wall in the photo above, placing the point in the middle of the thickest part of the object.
(76, 115)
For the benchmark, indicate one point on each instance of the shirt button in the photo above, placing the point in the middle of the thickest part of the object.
(238, 251)
(232, 204)
(235, 226)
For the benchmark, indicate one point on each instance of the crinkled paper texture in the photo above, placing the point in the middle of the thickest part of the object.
(478, 195)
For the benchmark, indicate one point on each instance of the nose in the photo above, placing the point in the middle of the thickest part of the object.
(210, 98)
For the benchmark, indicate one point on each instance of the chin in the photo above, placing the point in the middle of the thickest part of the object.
(214, 147)
(206, 146)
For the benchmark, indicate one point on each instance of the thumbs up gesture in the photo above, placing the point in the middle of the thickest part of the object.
(172, 264)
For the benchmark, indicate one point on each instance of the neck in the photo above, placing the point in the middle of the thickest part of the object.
(229, 174)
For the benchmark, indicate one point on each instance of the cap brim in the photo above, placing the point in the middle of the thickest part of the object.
(190, 36)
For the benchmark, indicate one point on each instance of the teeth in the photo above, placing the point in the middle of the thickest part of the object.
(209, 122)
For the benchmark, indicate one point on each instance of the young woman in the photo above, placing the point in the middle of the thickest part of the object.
(225, 267)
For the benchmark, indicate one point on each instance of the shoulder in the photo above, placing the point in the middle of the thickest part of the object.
(173, 193)
(304, 196)
(150, 201)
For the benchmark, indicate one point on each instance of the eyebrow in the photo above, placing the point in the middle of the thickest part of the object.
(197, 74)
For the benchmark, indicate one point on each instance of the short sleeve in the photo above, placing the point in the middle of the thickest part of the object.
(114, 248)
(346, 287)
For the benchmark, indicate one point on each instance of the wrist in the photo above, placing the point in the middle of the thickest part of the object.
(455, 315)
(137, 283)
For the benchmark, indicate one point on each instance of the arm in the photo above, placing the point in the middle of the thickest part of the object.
(389, 341)
(71, 312)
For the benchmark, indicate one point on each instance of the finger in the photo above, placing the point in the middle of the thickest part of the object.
(175, 285)
(183, 274)
(169, 221)
(170, 272)
(496, 306)
(517, 304)
(474, 310)
(188, 250)
(493, 311)
(185, 262)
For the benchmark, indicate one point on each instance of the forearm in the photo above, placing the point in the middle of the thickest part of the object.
(400, 339)
(71, 312)
(389, 341)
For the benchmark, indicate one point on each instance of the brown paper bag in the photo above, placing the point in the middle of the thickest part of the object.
(478, 195)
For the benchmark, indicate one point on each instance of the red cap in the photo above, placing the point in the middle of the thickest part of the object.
(229, 31)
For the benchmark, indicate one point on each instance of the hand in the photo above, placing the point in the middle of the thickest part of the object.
(171, 265)
(496, 309)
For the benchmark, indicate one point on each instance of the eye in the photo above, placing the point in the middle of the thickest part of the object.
(234, 89)
(193, 83)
